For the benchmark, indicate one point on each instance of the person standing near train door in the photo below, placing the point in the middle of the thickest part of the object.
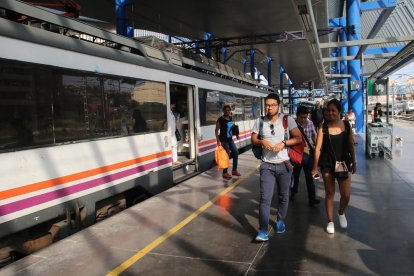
(172, 121)
(224, 137)
(276, 169)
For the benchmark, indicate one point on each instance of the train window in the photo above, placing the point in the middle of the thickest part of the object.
(41, 106)
(210, 107)
(148, 106)
(251, 108)
(25, 117)
(211, 103)
(71, 109)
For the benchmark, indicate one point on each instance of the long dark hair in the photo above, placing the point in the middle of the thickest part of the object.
(337, 104)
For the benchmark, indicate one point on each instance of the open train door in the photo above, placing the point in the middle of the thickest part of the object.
(182, 99)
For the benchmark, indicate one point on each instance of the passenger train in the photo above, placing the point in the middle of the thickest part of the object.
(83, 122)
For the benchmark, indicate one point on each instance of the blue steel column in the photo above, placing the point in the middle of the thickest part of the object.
(343, 68)
(269, 71)
(208, 36)
(252, 72)
(281, 72)
(290, 96)
(354, 66)
(224, 55)
(244, 65)
(121, 20)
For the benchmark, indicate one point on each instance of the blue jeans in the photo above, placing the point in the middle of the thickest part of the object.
(230, 147)
(271, 174)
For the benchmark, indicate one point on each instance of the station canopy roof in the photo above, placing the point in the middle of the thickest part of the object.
(290, 32)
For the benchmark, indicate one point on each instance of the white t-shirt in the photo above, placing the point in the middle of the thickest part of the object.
(279, 136)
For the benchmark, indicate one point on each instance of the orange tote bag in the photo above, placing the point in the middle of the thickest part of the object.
(222, 158)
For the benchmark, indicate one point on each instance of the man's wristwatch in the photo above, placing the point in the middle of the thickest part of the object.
(284, 142)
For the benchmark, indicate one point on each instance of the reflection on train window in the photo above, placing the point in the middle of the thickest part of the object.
(149, 99)
(70, 118)
(42, 106)
(25, 114)
(211, 103)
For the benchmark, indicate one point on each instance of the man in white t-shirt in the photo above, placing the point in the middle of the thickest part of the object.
(276, 168)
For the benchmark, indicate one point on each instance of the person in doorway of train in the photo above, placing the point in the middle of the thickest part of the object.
(224, 137)
(308, 130)
(172, 121)
(276, 169)
(335, 143)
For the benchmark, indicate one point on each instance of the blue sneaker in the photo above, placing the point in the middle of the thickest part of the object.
(262, 236)
(280, 226)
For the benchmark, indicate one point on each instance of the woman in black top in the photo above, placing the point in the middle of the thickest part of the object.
(335, 142)
(224, 137)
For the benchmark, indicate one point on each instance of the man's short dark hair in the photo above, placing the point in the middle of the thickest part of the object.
(302, 110)
(273, 96)
(227, 106)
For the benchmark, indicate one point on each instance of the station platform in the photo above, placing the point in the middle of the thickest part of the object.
(207, 225)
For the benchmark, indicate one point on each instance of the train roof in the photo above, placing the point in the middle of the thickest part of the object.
(25, 22)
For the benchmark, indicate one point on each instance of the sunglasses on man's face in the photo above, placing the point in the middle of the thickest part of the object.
(272, 128)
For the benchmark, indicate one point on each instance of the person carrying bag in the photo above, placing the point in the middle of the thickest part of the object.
(335, 155)
(224, 132)
(308, 131)
(222, 158)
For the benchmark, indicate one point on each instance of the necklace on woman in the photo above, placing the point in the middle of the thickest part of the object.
(335, 128)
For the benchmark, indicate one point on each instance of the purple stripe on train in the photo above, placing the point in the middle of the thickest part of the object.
(212, 146)
(40, 199)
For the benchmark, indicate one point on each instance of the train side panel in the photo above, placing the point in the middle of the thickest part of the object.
(35, 180)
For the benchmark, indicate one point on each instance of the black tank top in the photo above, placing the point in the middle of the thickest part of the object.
(335, 146)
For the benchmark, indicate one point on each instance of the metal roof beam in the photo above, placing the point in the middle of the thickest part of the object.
(403, 57)
(247, 40)
(378, 5)
(387, 9)
(367, 41)
(366, 57)
(337, 76)
(307, 19)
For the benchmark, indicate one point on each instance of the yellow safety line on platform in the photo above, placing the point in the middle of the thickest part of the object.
(125, 265)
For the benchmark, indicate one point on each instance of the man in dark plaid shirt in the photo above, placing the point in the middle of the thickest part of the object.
(308, 128)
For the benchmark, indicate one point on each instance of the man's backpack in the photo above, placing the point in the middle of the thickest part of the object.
(257, 150)
(296, 152)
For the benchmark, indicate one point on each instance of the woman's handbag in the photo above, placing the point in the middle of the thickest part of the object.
(222, 158)
(177, 135)
(235, 130)
(341, 170)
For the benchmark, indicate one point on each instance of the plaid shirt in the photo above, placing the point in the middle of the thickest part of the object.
(310, 131)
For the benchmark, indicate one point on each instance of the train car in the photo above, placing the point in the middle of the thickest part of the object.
(84, 128)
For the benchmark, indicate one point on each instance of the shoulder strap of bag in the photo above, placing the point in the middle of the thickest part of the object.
(304, 136)
(329, 138)
(285, 126)
(261, 119)
(347, 127)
